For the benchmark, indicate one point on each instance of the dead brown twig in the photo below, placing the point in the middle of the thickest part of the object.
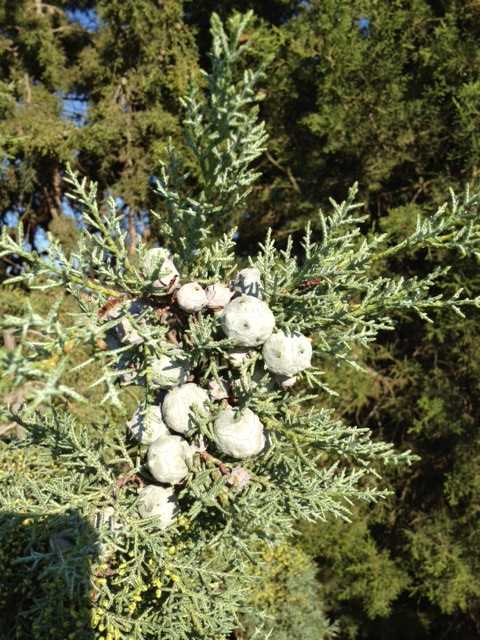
(207, 457)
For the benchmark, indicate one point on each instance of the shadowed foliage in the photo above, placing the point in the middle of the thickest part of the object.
(46, 586)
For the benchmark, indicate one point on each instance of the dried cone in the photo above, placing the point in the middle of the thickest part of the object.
(239, 478)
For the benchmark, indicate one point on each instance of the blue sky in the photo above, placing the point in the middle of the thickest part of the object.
(75, 109)
(86, 17)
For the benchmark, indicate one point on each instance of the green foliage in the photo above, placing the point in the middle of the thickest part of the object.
(130, 72)
(392, 106)
(194, 580)
(36, 65)
(134, 71)
(224, 134)
(91, 473)
(396, 111)
(443, 575)
(287, 597)
(33, 579)
(421, 386)
(13, 303)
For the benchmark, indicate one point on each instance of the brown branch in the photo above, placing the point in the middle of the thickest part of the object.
(132, 233)
(57, 190)
(207, 457)
(127, 479)
(50, 203)
(307, 284)
(9, 340)
(28, 88)
(52, 192)
(287, 172)
(147, 232)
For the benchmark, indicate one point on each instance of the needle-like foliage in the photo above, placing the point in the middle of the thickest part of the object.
(193, 579)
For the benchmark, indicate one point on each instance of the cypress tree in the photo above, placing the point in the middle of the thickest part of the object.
(177, 535)
(40, 49)
(386, 94)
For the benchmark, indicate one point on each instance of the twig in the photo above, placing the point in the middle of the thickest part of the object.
(287, 172)
(207, 457)
(127, 479)
(132, 233)
(9, 341)
(28, 89)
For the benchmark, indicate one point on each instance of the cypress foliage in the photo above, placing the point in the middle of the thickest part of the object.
(422, 387)
(187, 569)
(379, 93)
(392, 104)
(135, 70)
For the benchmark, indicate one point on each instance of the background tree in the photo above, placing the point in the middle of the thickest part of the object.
(40, 47)
(127, 63)
(134, 71)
